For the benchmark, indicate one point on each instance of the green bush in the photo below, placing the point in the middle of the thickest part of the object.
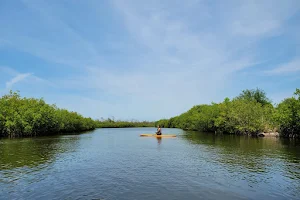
(33, 117)
(249, 113)
(287, 116)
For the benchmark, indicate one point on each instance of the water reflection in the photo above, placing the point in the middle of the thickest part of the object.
(291, 149)
(31, 152)
(117, 164)
(257, 160)
(25, 157)
(158, 140)
(252, 152)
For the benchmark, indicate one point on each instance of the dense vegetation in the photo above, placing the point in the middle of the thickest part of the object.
(33, 117)
(110, 123)
(249, 113)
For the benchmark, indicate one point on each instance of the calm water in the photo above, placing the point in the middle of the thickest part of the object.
(118, 164)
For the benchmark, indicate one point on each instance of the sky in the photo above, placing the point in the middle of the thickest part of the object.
(147, 60)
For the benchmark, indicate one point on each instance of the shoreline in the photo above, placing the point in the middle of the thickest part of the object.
(268, 134)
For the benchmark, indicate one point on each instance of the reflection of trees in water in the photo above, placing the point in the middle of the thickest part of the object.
(250, 156)
(32, 152)
(292, 155)
(21, 159)
(233, 150)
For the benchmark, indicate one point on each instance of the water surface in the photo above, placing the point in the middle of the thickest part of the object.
(118, 164)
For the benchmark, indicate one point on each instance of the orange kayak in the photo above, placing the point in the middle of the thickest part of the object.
(158, 136)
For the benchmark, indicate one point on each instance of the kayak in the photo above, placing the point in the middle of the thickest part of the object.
(158, 136)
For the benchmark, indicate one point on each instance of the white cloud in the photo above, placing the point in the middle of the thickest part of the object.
(288, 68)
(19, 77)
(261, 18)
(65, 46)
(177, 54)
(16, 79)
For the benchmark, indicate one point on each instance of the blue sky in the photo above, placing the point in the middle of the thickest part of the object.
(147, 60)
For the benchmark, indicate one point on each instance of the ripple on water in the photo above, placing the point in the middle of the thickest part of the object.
(118, 164)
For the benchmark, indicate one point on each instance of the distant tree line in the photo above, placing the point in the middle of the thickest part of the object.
(33, 117)
(249, 113)
(111, 123)
(26, 117)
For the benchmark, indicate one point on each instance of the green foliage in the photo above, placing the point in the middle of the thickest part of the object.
(199, 117)
(249, 113)
(257, 95)
(288, 116)
(297, 93)
(33, 117)
(109, 123)
(164, 123)
(242, 116)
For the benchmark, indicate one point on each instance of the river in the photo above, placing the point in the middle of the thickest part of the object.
(118, 164)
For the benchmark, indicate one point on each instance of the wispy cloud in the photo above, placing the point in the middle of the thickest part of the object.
(202, 43)
(288, 68)
(76, 50)
(251, 18)
(148, 59)
(16, 79)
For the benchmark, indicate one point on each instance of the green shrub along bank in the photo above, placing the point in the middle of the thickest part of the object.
(288, 116)
(250, 113)
(33, 117)
(109, 123)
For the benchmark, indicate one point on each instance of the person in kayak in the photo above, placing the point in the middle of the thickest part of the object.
(158, 132)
